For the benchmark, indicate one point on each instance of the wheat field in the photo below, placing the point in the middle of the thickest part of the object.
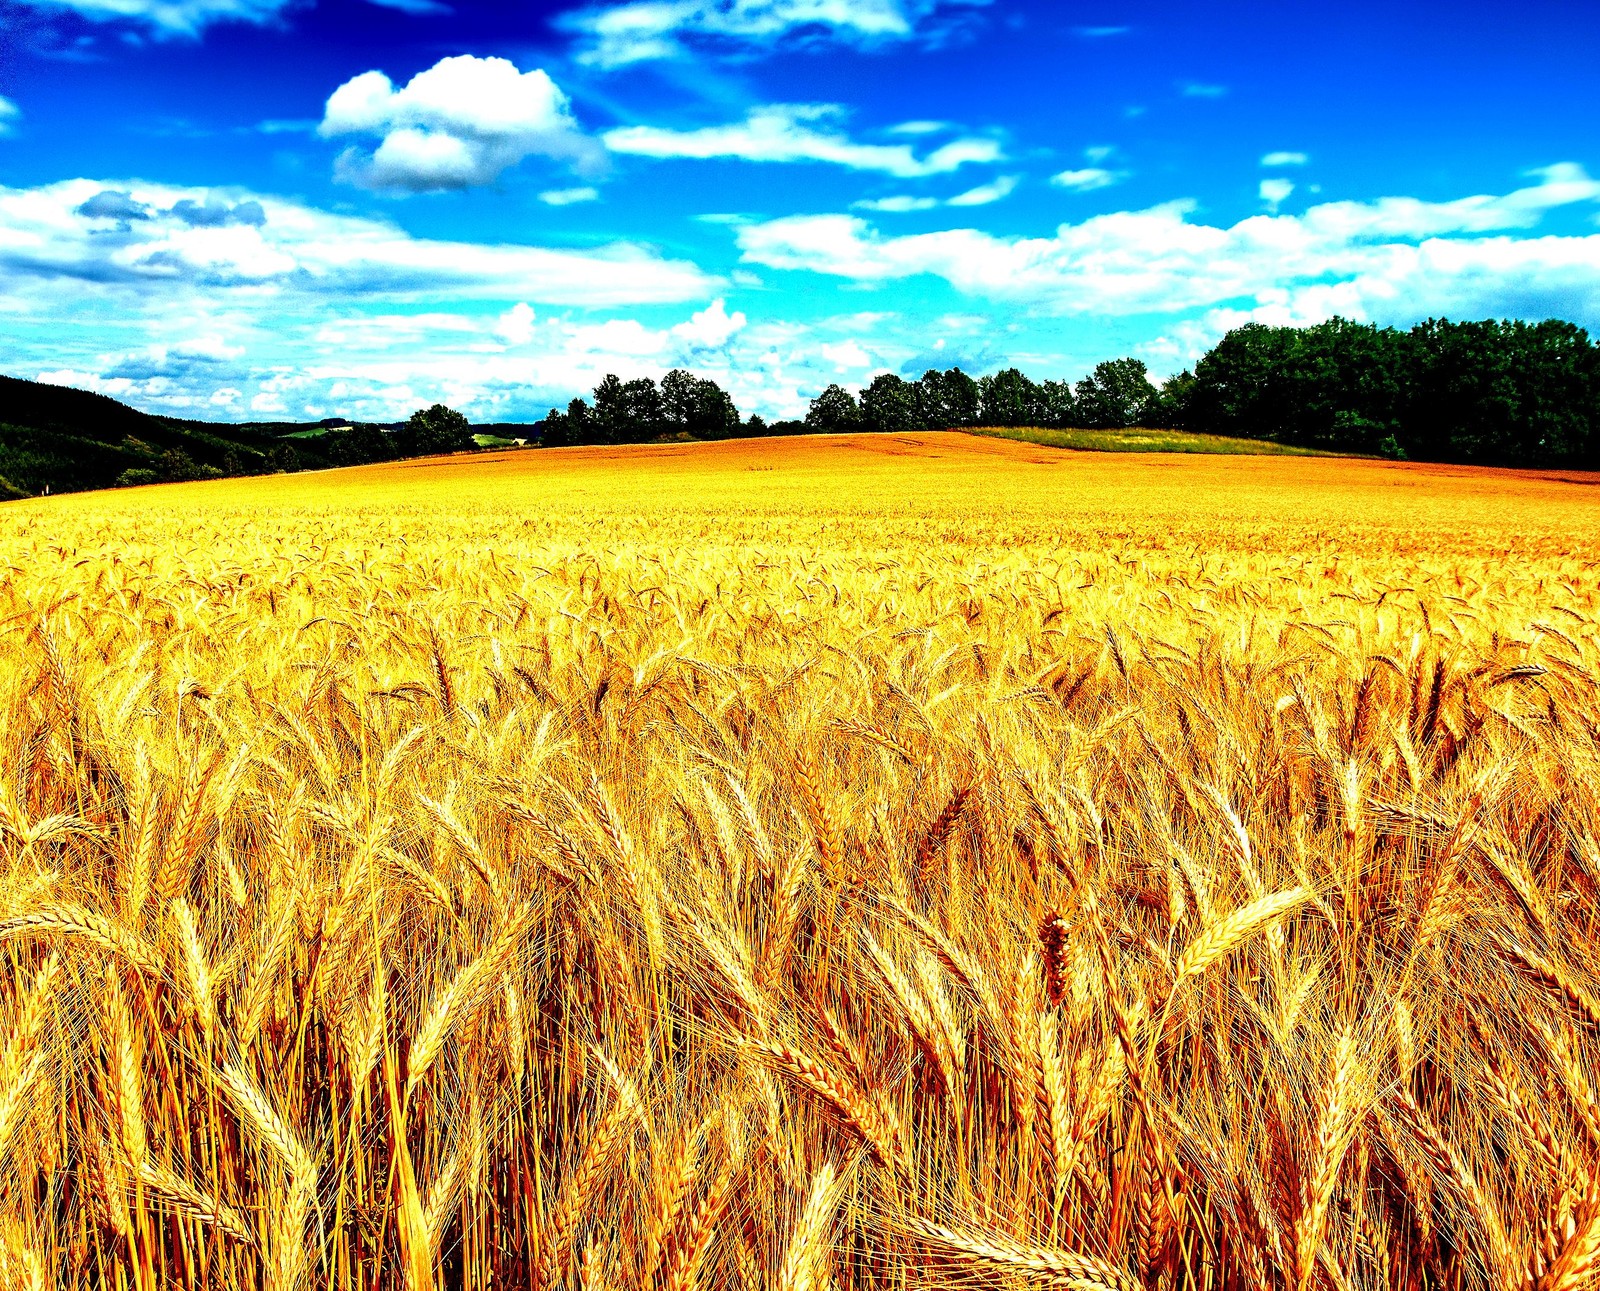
(827, 864)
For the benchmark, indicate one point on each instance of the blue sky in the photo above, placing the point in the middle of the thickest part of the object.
(302, 208)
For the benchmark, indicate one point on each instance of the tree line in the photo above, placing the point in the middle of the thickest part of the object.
(1502, 393)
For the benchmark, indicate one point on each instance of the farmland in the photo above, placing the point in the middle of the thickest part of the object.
(856, 862)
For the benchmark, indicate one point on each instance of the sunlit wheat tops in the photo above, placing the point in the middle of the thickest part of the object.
(938, 868)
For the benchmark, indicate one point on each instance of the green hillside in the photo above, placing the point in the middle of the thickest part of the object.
(60, 440)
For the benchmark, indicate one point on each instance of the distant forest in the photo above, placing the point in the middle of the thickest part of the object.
(1500, 393)
(1497, 393)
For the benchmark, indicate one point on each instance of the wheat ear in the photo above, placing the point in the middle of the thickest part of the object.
(75, 921)
(1224, 935)
(805, 1263)
(1000, 1254)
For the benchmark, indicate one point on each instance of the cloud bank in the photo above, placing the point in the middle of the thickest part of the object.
(1396, 257)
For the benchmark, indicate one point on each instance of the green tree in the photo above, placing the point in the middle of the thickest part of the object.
(627, 412)
(1115, 396)
(834, 412)
(435, 430)
(1338, 385)
(569, 428)
(889, 404)
(281, 458)
(679, 398)
(1057, 405)
(1504, 392)
(357, 445)
(1008, 399)
(946, 400)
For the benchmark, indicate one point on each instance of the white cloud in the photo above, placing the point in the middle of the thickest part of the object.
(987, 194)
(710, 329)
(1273, 160)
(110, 287)
(1275, 192)
(569, 196)
(9, 112)
(615, 35)
(789, 132)
(191, 17)
(150, 241)
(1198, 90)
(901, 204)
(171, 17)
(516, 325)
(1392, 258)
(1087, 180)
(461, 123)
(846, 356)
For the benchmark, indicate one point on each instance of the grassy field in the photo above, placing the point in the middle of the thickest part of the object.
(1138, 440)
(852, 863)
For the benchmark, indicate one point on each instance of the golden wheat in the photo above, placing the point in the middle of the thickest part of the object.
(919, 861)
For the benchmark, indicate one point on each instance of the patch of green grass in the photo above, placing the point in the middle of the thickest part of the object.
(1138, 440)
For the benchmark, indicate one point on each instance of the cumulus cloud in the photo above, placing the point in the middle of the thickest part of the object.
(9, 112)
(1392, 258)
(1275, 192)
(109, 204)
(460, 124)
(710, 329)
(614, 35)
(214, 211)
(800, 132)
(1275, 160)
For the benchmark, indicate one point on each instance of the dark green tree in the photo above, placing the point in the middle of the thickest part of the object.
(1510, 393)
(1057, 406)
(1115, 396)
(281, 458)
(946, 400)
(1008, 399)
(834, 412)
(889, 404)
(435, 430)
(715, 416)
(568, 429)
(357, 446)
(1170, 408)
(679, 398)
